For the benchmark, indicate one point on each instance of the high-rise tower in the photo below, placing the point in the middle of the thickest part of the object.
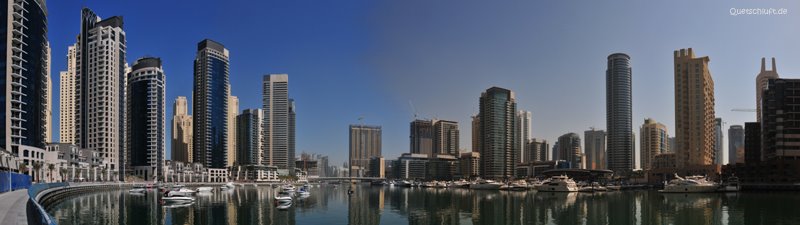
(146, 110)
(498, 113)
(277, 123)
(762, 80)
(694, 110)
(181, 131)
(619, 113)
(210, 104)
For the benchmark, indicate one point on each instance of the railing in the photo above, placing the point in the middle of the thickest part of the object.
(35, 210)
(13, 181)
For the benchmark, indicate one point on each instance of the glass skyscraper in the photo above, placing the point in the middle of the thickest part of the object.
(498, 113)
(210, 104)
(146, 112)
(619, 113)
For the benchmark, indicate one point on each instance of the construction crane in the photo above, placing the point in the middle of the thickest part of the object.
(743, 110)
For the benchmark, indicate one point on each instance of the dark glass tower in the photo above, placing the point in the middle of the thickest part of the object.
(210, 104)
(146, 111)
(498, 108)
(618, 113)
(23, 85)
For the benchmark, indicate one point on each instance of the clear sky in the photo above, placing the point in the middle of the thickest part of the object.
(348, 59)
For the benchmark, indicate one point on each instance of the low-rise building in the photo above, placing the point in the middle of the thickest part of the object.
(442, 167)
(469, 164)
(411, 166)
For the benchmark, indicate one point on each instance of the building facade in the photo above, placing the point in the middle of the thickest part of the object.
(210, 104)
(248, 137)
(498, 112)
(654, 141)
(595, 149)
(446, 137)
(100, 88)
(736, 144)
(752, 142)
(67, 98)
(277, 122)
(365, 144)
(181, 131)
(23, 85)
(233, 111)
(468, 163)
(619, 113)
(523, 133)
(694, 110)
(719, 146)
(421, 137)
(569, 149)
(762, 80)
(537, 150)
(779, 129)
(476, 133)
(146, 110)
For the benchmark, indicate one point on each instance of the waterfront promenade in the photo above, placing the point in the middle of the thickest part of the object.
(13, 207)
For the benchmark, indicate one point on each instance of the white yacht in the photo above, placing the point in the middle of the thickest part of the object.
(486, 185)
(180, 192)
(177, 199)
(288, 188)
(205, 189)
(138, 190)
(690, 184)
(558, 184)
(731, 185)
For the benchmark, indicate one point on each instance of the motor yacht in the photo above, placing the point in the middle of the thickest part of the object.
(519, 185)
(559, 184)
(138, 190)
(288, 188)
(177, 199)
(730, 185)
(205, 189)
(283, 197)
(486, 185)
(689, 184)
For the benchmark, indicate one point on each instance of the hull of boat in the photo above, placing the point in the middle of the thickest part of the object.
(485, 186)
(689, 189)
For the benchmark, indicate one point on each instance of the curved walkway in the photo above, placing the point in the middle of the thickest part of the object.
(13, 207)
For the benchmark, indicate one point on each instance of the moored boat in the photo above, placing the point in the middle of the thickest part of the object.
(486, 185)
(689, 184)
(558, 184)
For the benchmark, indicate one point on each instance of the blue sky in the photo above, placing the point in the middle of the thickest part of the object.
(348, 59)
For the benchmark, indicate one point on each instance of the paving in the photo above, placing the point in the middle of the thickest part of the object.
(13, 207)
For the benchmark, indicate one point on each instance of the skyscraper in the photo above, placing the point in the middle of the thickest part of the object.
(277, 122)
(421, 138)
(654, 141)
(233, 111)
(181, 131)
(100, 88)
(476, 133)
(595, 148)
(67, 98)
(762, 80)
(210, 104)
(736, 144)
(569, 149)
(23, 85)
(498, 113)
(537, 150)
(446, 137)
(618, 113)
(248, 136)
(146, 134)
(779, 127)
(523, 132)
(719, 147)
(365, 143)
(694, 110)
(752, 142)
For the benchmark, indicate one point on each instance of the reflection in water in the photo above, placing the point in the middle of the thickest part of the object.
(382, 205)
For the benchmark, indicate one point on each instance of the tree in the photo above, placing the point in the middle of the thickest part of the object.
(50, 168)
(37, 166)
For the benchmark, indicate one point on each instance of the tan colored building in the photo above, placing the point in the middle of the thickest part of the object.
(67, 99)
(233, 111)
(181, 131)
(654, 141)
(762, 80)
(694, 110)
(469, 164)
(476, 133)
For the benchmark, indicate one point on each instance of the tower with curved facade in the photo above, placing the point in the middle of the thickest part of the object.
(210, 104)
(619, 113)
(146, 131)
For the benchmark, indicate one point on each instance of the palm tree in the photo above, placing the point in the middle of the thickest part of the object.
(63, 172)
(23, 168)
(50, 168)
(37, 166)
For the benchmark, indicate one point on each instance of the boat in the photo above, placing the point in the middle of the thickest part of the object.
(405, 183)
(428, 184)
(441, 184)
(288, 188)
(178, 205)
(486, 185)
(689, 184)
(283, 197)
(558, 184)
(303, 192)
(227, 186)
(205, 189)
(181, 192)
(138, 190)
(519, 185)
(730, 185)
(284, 206)
(177, 199)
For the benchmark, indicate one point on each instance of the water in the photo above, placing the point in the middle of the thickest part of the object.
(382, 205)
